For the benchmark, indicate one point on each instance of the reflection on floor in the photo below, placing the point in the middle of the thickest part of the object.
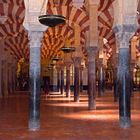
(62, 119)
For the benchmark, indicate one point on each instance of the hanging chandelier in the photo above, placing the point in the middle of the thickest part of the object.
(50, 20)
(56, 58)
(68, 49)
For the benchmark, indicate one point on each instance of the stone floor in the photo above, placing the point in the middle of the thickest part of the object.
(62, 119)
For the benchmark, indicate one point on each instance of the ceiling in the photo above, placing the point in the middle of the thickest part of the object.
(15, 37)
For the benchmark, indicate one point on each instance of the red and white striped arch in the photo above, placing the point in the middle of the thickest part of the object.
(18, 45)
(11, 29)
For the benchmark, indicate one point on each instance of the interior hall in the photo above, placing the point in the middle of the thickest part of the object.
(69, 69)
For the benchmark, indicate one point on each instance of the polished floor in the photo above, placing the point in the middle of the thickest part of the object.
(62, 119)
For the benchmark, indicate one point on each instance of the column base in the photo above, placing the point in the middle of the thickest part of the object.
(125, 122)
(34, 125)
(92, 106)
(68, 95)
(77, 100)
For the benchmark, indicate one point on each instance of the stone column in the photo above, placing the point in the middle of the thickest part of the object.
(115, 68)
(14, 75)
(0, 76)
(132, 65)
(81, 78)
(134, 45)
(68, 79)
(58, 79)
(8, 79)
(123, 36)
(125, 25)
(92, 44)
(13, 83)
(101, 78)
(77, 62)
(62, 80)
(5, 75)
(34, 108)
(9, 72)
(91, 77)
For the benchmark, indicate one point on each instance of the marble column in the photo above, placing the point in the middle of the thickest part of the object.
(115, 68)
(14, 75)
(68, 79)
(91, 77)
(62, 80)
(101, 78)
(77, 62)
(81, 78)
(58, 80)
(5, 77)
(12, 80)
(123, 35)
(132, 65)
(0, 77)
(34, 106)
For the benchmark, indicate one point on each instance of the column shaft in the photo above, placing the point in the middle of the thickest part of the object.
(101, 81)
(58, 80)
(0, 77)
(68, 82)
(81, 79)
(116, 94)
(62, 81)
(34, 103)
(124, 87)
(76, 84)
(92, 77)
(34, 113)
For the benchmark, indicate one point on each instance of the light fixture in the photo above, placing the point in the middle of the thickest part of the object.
(68, 49)
(51, 20)
(57, 58)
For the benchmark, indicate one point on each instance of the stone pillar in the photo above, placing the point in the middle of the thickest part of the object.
(68, 79)
(125, 25)
(132, 65)
(9, 73)
(0, 76)
(123, 34)
(13, 83)
(115, 68)
(92, 44)
(34, 108)
(62, 80)
(58, 79)
(101, 78)
(91, 77)
(14, 75)
(134, 45)
(81, 78)
(77, 62)
(8, 79)
(5, 75)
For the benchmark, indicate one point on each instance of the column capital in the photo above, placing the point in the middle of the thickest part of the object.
(92, 51)
(32, 10)
(35, 38)
(129, 28)
(58, 68)
(77, 61)
(81, 67)
(67, 64)
(100, 62)
(124, 33)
